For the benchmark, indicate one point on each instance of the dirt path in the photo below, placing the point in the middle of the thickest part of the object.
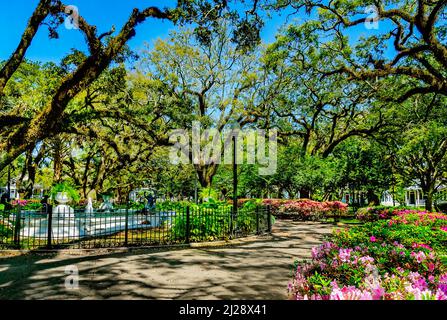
(257, 269)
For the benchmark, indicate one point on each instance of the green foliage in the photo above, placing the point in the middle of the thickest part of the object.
(132, 205)
(246, 219)
(5, 231)
(205, 224)
(33, 206)
(212, 222)
(375, 213)
(172, 205)
(209, 194)
(5, 227)
(408, 229)
(65, 187)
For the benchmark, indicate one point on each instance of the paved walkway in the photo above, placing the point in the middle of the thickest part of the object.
(258, 269)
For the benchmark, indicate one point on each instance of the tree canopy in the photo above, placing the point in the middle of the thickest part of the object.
(356, 90)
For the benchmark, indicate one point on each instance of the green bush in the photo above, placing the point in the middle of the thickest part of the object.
(135, 205)
(33, 205)
(406, 227)
(65, 187)
(171, 205)
(441, 207)
(209, 193)
(205, 224)
(5, 231)
(212, 220)
(379, 212)
(246, 219)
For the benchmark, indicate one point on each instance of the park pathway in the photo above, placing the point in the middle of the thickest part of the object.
(256, 268)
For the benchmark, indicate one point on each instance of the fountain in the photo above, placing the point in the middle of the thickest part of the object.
(63, 210)
(107, 205)
(89, 209)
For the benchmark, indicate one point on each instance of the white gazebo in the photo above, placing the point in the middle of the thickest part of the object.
(414, 196)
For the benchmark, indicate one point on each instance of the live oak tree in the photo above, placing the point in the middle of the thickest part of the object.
(421, 149)
(365, 166)
(323, 111)
(211, 82)
(409, 44)
(25, 131)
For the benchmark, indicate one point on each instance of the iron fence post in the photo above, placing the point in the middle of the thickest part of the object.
(257, 220)
(17, 227)
(126, 227)
(188, 222)
(49, 210)
(269, 219)
(231, 222)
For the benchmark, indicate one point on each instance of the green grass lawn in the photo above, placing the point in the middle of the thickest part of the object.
(344, 220)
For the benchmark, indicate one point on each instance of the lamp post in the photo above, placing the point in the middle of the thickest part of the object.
(196, 198)
(9, 175)
(234, 176)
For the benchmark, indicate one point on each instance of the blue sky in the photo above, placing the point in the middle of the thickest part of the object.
(104, 14)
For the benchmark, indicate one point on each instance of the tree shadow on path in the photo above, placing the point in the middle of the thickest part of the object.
(257, 269)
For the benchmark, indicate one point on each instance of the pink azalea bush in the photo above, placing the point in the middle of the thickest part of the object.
(370, 214)
(20, 203)
(395, 259)
(380, 272)
(305, 209)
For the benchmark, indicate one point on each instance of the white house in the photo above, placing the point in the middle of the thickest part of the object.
(13, 190)
(38, 191)
(387, 200)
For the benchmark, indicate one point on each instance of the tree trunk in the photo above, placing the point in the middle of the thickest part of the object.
(304, 193)
(57, 166)
(373, 199)
(31, 168)
(429, 199)
(206, 174)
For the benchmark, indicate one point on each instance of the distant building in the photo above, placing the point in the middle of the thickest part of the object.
(355, 197)
(13, 190)
(387, 199)
(38, 191)
(361, 199)
(414, 196)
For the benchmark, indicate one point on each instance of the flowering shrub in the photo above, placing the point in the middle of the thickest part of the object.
(20, 203)
(33, 204)
(305, 209)
(381, 213)
(370, 272)
(395, 259)
(274, 204)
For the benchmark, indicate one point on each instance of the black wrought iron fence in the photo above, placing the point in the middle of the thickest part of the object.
(68, 228)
